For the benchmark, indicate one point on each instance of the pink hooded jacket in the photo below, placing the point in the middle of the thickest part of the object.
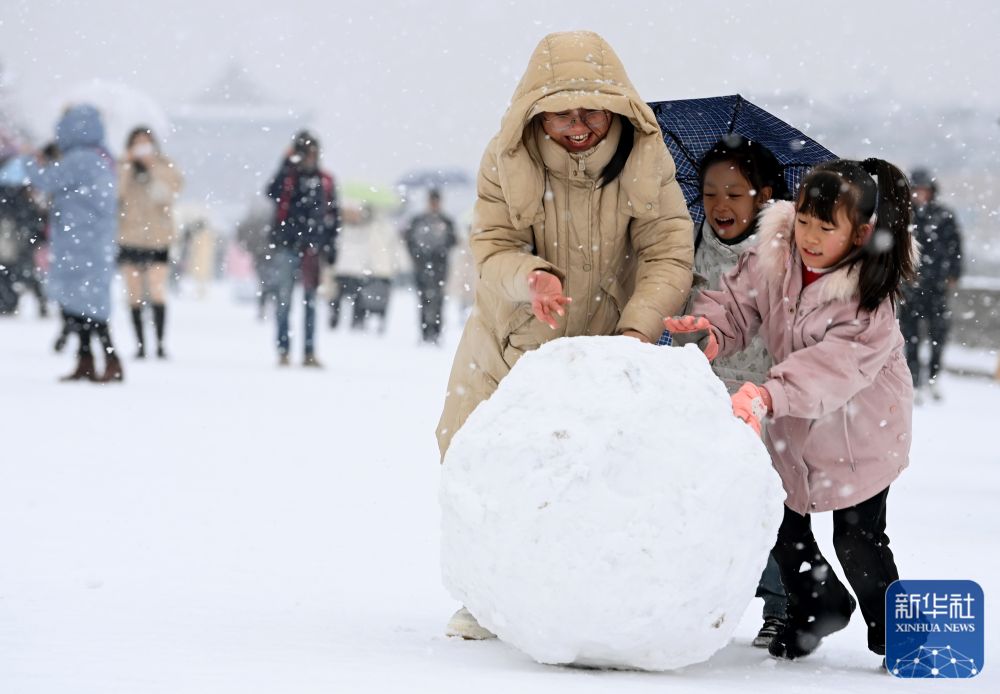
(842, 393)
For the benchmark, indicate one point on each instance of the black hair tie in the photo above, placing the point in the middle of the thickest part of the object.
(871, 167)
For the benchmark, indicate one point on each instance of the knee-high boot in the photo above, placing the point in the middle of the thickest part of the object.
(137, 325)
(159, 321)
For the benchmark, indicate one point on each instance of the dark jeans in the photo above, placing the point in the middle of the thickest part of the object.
(924, 308)
(771, 589)
(349, 288)
(267, 279)
(287, 268)
(863, 550)
(9, 297)
(430, 279)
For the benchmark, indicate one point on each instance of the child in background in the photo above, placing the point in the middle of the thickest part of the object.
(819, 287)
(737, 178)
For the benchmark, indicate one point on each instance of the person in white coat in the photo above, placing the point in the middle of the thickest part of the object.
(367, 260)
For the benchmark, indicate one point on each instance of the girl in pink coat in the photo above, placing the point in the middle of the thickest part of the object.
(819, 288)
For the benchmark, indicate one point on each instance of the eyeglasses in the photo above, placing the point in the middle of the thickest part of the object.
(595, 120)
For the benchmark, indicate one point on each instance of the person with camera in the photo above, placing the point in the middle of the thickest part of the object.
(148, 184)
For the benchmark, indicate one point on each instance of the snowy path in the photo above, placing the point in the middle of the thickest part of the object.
(218, 525)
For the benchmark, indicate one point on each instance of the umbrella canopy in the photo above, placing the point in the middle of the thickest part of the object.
(691, 126)
(383, 197)
(122, 109)
(435, 178)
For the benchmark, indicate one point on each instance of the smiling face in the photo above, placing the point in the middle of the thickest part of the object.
(730, 201)
(823, 244)
(578, 129)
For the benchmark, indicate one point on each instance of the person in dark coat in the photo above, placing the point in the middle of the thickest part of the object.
(925, 300)
(22, 230)
(83, 193)
(429, 239)
(253, 234)
(304, 232)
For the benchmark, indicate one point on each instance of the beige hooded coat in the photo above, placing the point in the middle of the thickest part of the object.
(146, 210)
(623, 250)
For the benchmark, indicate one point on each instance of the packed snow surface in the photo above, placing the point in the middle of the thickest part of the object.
(219, 525)
(605, 508)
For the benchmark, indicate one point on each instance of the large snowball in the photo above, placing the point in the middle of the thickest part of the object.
(605, 508)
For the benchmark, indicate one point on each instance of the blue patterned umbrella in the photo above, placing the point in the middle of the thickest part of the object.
(691, 126)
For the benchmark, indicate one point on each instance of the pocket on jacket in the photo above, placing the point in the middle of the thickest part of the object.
(613, 302)
(613, 288)
(897, 374)
(518, 336)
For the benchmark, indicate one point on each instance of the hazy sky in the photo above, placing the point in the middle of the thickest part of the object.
(402, 83)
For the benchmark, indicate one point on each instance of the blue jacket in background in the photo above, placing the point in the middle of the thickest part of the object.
(83, 215)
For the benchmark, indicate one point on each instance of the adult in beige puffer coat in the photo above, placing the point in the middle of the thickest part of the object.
(550, 214)
(147, 189)
(579, 227)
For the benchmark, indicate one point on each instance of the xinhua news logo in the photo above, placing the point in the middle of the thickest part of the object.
(934, 629)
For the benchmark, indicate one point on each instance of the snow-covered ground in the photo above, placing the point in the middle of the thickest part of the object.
(219, 525)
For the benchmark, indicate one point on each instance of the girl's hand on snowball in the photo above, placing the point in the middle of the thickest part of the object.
(751, 403)
(693, 330)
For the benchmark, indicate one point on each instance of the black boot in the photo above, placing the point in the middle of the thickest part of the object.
(68, 326)
(137, 325)
(812, 620)
(60, 343)
(818, 603)
(159, 321)
(772, 627)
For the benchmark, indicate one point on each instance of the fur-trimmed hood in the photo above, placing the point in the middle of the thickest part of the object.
(776, 249)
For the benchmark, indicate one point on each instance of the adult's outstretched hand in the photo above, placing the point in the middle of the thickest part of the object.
(547, 297)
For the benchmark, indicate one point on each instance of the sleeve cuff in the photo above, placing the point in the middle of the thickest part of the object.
(779, 399)
(647, 321)
(519, 291)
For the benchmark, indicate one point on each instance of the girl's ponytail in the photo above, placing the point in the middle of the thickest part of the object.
(888, 255)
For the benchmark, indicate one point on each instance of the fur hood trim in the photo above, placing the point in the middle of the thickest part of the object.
(776, 250)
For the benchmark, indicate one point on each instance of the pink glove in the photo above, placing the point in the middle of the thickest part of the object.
(546, 296)
(693, 329)
(751, 403)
